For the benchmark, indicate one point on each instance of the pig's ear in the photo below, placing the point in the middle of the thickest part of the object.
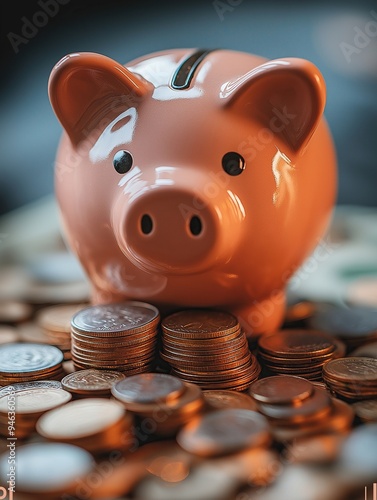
(85, 88)
(286, 96)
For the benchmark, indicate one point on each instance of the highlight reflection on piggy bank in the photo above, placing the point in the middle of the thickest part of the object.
(193, 178)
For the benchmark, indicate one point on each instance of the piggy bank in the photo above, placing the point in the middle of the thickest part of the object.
(193, 178)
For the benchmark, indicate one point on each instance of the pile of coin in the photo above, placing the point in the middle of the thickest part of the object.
(55, 324)
(95, 424)
(24, 362)
(296, 407)
(27, 403)
(355, 325)
(208, 348)
(91, 383)
(352, 378)
(120, 337)
(298, 352)
(161, 402)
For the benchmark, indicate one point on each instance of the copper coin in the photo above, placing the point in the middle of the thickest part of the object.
(91, 381)
(148, 388)
(204, 342)
(220, 400)
(314, 407)
(224, 431)
(200, 323)
(281, 389)
(8, 335)
(12, 311)
(58, 318)
(28, 358)
(79, 419)
(36, 400)
(112, 319)
(48, 468)
(296, 343)
(351, 368)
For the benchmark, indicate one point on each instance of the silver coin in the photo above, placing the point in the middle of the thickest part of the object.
(26, 358)
(25, 386)
(112, 318)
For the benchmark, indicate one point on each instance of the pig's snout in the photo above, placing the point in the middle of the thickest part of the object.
(176, 231)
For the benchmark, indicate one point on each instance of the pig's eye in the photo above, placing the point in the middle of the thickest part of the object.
(122, 161)
(233, 163)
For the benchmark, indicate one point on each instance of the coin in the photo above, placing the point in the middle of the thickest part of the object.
(8, 335)
(12, 311)
(220, 399)
(43, 384)
(89, 382)
(355, 368)
(115, 319)
(313, 408)
(36, 400)
(50, 469)
(367, 350)
(200, 323)
(224, 431)
(353, 324)
(148, 388)
(58, 318)
(93, 423)
(296, 343)
(366, 410)
(281, 389)
(22, 358)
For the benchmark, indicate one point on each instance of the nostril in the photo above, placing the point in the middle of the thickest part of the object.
(146, 224)
(195, 225)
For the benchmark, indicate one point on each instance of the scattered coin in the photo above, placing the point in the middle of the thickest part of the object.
(219, 400)
(29, 405)
(149, 388)
(354, 325)
(8, 335)
(281, 389)
(366, 410)
(224, 431)
(13, 312)
(91, 383)
(95, 424)
(50, 469)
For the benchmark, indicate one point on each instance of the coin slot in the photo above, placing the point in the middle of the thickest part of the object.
(196, 225)
(146, 224)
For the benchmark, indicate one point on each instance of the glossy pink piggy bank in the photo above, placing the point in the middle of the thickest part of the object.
(193, 178)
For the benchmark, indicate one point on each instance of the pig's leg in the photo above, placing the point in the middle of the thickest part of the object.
(264, 316)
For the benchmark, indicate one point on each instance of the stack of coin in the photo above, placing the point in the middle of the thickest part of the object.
(55, 323)
(27, 402)
(295, 407)
(95, 424)
(161, 402)
(120, 337)
(353, 324)
(298, 352)
(208, 348)
(91, 383)
(224, 431)
(27, 362)
(352, 378)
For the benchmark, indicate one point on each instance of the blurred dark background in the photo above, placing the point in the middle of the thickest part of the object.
(321, 31)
